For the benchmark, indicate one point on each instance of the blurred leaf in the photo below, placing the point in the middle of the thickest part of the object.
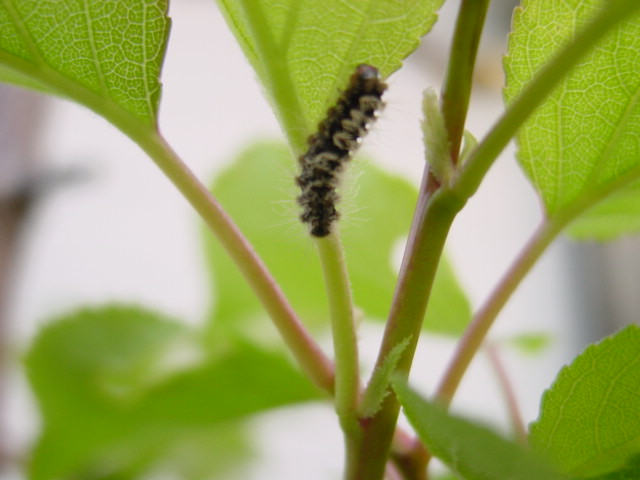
(445, 476)
(259, 194)
(121, 388)
(589, 420)
(473, 451)
(449, 310)
(529, 343)
(582, 143)
(258, 191)
(104, 55)
(205, 455)
(303, 51)
(631, 471)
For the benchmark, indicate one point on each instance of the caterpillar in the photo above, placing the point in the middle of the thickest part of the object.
(337, 138)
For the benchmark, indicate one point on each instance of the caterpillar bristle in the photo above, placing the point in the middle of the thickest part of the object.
(337, 138)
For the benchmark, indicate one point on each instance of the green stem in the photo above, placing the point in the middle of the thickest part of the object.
(519, 428)
(434, 214)
(536, 92)
(306, 351)
(410, 456)
(481, 159)
(437, 210)
(542, 238)
(474, 335)
(457, 86)
(345, 342)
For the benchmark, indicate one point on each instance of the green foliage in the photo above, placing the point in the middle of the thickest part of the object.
(631, 471)
(468, 449)
(581, 146)
(445, 476)
(529, 343)
(105, 55)
(449, 310)
(382, 208)
(378, 386)
(122, 389)
(303, 51)
(589, 420)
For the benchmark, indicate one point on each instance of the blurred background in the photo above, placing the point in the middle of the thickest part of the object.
(87, 218)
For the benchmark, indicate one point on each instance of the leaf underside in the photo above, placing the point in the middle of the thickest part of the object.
(304, 50)
(582, 146)
(105, 55)
(471, 450)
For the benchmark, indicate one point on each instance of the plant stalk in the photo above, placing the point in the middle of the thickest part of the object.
(410, 456)
(456, 90)
(307, 352)
(345, 341)
(304, 348)
(532, 251)
(537, 91)
(481, 159)
(483, 320)
(435, 212)
(518, 425)
(378, 430)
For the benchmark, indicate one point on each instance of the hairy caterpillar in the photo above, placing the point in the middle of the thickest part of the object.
(338, 136)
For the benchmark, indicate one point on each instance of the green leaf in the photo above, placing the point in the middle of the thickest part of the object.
(631, 471)
(445, 476)
(581, 146)
(304, 50)
(473, 451)
(528, 343)
(378, 387)
(121, 389)
(589, 420)
(616, 215)
(258, 191)
(104, 55)
(449, 310)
